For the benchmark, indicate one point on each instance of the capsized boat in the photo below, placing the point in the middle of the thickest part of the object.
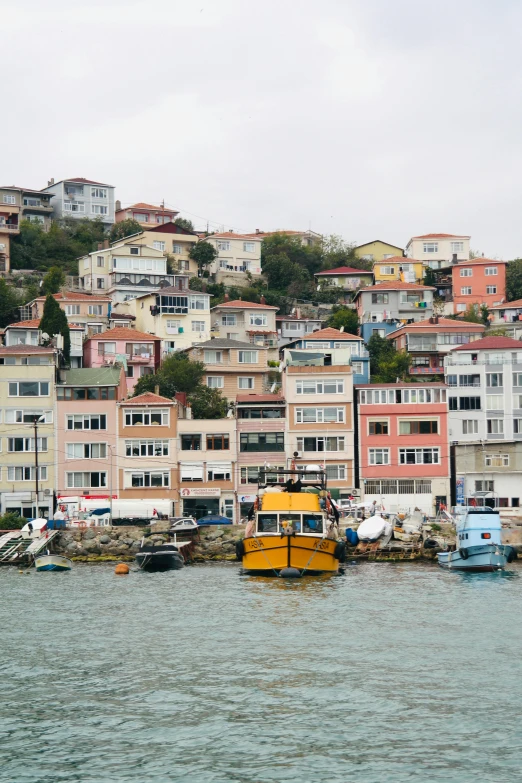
(52, 563)
(479, 546)
(160, 557)
(293, 528)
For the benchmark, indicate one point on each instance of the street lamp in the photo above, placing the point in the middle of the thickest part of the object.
(37, 420)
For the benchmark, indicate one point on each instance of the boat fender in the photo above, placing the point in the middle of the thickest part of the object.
(240, 549)
(464, 554)
(340, 551)
(511, 555)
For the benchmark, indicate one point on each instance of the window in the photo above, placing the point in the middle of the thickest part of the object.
(319, 415)
(378, 456)
(9, 199)
(494, 379)
(247, 357)
(469, 380)
(190, 442)
(466, 291)
(216, 472)
(27, 416)
(213, 357)
(336, 472)
(99, 209)
(86, 450)
(400, 487)
(262, 441)
(177, 248)
(320, 387)
(517, 401)
(29, 389)
(157, 245)
(26, 473)
(517, 380)
(261, 413)
(147, 448)
(72, 309)
(495, 426)
(147, 417)
(218, 442)
(198, 326)
(461, 307)
(491, 289)
(258, 319)
(134, 251)
(457, 247)
(430, 247)
(379, 332)
(419, 456)
(378, 428)
(495, 402)
(245, 383)
(26, 444)
(249, 247)
(98, 192)
(215, 381)
(490, 271)
(321, 443)
(106, 348)
(357, 368)
(517, 426)
(147, 479)
(100, 283)
(73, 206)
(223, 245)
(86, 421)
(469, 427)
(250, 475)
(387, 270)
(464, 403)
(418, 427)
(380, 298)
(228, 320)
(496, 460)
(466, 272)
(86, 479)
(95, 309)
(484, 486)
(191, 472)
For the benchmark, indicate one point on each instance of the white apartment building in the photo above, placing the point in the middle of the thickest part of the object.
(237, 254)
(438, 250)
(81, 198)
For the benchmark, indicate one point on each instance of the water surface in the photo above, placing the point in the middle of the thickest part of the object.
(388, 673)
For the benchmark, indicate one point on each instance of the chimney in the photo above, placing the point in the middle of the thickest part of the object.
(50, 181)
(262, 300)
(105, 244)
(298, 312)
(454, 259)
(156, 389)
(118, 205)
(227, 298)
(100, 245)
(258, 231)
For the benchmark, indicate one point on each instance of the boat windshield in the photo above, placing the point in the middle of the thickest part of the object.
(267, 523)
(312, 523)
(286, 519)
(307, 522)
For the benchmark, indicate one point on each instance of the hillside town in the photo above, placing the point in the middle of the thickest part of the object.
(163, 366)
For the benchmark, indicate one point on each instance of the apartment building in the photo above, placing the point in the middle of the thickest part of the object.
(144, 214)
(429, 341)
(290, 327)
(248, 322)
(261, 442)
(138, 352)
(27, 395)
(403, 445)
(438, 250)
(319, 422)
(232, 366)
(80, 198)
(176, 242)
(88, 311)
(395, 300)
(408, 270)
(34, 206)
(378, 251)
(207, 457)
(489, 473)
(345, 277)
(237, 255)
(87, 431)
(29, 333)
(10, 215)
(480, 281)
(331, 346)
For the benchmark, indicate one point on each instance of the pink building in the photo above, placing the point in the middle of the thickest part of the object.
(477, 282)
(87, 431)
(404, 445)
(139, 352)
(145, 214)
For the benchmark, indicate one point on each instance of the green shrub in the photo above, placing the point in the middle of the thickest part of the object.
(12, 521)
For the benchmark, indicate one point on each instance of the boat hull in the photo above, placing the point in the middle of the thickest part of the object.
(52, 563)
(159, 561)
(269, 555)
(490, 557)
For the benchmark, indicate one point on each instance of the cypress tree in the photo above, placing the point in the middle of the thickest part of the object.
(54, 321)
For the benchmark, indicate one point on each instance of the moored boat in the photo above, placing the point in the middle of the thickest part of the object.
(163, 557)
(52, 563)
(479, 546)
(292, 532)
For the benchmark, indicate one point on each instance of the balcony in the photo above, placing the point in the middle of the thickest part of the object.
(140, 279)
(137, 358)
(416, 347)
(426, 370)
(11, 228)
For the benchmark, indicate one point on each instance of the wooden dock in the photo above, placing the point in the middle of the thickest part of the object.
(16, 549)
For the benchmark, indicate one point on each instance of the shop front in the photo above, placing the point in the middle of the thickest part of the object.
(199, 502)
(22, 503)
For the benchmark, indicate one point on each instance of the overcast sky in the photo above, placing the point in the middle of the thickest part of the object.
(365, 118)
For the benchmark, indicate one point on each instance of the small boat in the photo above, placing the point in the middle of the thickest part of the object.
(52, 563)
(183, 525)
(161, 557)
(373, 528)
(479, 546)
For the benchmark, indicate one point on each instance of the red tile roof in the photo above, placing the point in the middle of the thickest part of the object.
(441, 324)
(69, 295)
(396, 285)
(398, 260)
(143, 205)
(235, 303)
(26, 349)
(33, 324)
(124, 333)
(329, 334)
(85, 181)
(275, 398)
(124, 316)
(441, 236)
(490, 343)
(232, 235)
(507, 305)
(345, 270)
(475, 261)
(262, 234)
(148, 398)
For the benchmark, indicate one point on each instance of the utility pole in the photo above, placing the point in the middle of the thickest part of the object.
(36, 464)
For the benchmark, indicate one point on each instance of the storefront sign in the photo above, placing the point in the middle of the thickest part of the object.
(199, 493)
(460, 490)
(246, 498)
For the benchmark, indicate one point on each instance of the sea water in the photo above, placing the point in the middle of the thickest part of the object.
(387, 673)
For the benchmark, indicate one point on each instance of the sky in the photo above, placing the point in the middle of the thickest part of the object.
(363, 118)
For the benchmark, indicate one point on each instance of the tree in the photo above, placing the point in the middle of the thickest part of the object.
(514, 280)
(473, 315)
(10, 301)
(12, 521)
(125, 228)
(344, 316)
(54, 321)
(386, 363)
(203, 253)
(184, 223)
(337, 252)
(62, 245)
(430, 277)
(177, 374)
(53, 280)
(297, 262)
(207, 403)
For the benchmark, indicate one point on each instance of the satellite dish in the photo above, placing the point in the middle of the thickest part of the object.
(45, 336)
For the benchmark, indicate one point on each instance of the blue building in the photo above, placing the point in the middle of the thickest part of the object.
(348, 348)
(382, 328)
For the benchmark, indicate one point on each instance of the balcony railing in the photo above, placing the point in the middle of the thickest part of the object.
(422, 347)
(142, 279)
(426, 370)
(9, 227)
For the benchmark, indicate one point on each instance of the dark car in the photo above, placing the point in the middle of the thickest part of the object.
(213, 519)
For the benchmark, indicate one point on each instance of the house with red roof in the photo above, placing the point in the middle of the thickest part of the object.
(249, 322)
(139, 352)
(90, 311)
(237, 255)
(345, 277)
(331, 346)
(80, 198)
(438, 250)
(28, 333)
(478, 281)
(147, 215)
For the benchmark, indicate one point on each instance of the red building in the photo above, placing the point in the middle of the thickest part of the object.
(477, 282)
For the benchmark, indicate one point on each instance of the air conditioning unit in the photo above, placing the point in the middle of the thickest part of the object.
(298, 455)
(47, 492)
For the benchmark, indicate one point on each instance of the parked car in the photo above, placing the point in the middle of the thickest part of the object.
(213, 519)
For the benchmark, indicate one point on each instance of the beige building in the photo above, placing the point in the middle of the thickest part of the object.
(144, 214)
(438, 250)
(90, 312)
(248, 322)
(27, 394)
(176, 242)
(237, 255)
(232, 367)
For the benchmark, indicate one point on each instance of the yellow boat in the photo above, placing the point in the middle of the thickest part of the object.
(290, 535)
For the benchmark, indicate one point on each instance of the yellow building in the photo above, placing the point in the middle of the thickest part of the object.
(408, 270)
(378, 251)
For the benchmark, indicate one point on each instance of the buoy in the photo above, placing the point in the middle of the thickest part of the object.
(290, 573)
(121, 568)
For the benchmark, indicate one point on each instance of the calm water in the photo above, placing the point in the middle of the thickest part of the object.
(390, 673)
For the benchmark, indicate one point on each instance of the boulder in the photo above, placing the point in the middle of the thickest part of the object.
(105, 539)
(213, 534)
(90, 533)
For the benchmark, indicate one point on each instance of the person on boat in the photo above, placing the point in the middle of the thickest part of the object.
(297, 485)
(289, 485)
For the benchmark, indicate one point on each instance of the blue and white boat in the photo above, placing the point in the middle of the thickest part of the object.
(52, 563)
(479, 546)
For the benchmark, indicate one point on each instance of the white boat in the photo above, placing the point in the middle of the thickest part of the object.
(479, 546)
(52, 563)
